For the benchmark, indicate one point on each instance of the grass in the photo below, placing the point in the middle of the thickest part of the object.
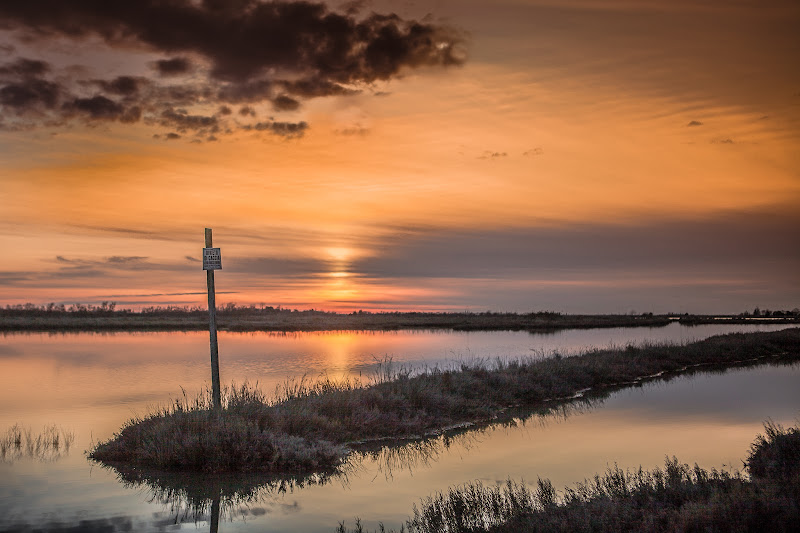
(676, 497)
(48, 445)
(310, 426)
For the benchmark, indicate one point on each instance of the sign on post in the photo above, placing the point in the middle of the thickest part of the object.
(212, 259)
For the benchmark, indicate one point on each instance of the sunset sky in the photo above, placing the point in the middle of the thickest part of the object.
(583, 156)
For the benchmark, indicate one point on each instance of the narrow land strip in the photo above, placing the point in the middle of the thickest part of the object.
(311, 426)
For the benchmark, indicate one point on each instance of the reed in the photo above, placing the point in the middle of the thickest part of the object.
(22, 442)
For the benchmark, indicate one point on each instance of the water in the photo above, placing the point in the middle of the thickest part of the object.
(91, 383)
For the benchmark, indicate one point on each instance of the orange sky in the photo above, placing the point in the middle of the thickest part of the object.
(600, 156)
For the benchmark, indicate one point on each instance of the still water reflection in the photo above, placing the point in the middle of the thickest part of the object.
(92, 383)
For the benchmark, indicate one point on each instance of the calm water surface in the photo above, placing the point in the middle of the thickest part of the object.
(91, 383)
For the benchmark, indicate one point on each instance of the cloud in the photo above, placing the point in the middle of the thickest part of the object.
(182, 121)
(285, 103)
(108, 266)
(101, 108)
(533, 152)
(492, 155)
(281, 52)
(172, 67)
(123, 85)
(30, 95)
(353, 131)
(694, 123)
(285, 129)
(714, 244)
(113, 261)
(24, 68)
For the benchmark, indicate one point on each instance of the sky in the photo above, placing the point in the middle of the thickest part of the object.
(580, 156)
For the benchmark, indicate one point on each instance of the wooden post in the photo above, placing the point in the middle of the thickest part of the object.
(212, 329)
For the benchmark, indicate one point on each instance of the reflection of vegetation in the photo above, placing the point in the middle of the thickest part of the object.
(396, 455)
(675, 498)
(192, 497)
(307, 427)
(49, 445)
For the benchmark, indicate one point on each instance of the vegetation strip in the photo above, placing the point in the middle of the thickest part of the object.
(232, 317)
(107, 317)
(309, 426)
(675, 498)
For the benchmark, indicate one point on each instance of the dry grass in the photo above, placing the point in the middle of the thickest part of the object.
(21, 442)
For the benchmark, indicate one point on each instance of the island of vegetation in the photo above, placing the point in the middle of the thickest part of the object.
(311, 426)
(232, 317)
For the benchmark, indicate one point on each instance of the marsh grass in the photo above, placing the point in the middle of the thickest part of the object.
(310, 424)
(50, 444)
(676, 497)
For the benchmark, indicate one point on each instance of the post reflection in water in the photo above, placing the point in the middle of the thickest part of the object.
(212, 498)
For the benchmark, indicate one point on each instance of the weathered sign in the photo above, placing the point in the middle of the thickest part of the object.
(212, 259)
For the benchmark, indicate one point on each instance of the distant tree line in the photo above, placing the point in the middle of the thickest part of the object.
(110, 308)
(768, 313)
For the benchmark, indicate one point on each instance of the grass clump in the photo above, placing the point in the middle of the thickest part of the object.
(20, 442)
(188, 435)
(676, 497)
(309, 424)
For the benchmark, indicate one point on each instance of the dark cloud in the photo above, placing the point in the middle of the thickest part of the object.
(694, 123)
(182, 121)
(123, 85)
(29, 95)
(172, 136)
(285, 129)
(97, 107)
(285, 103)
(24, 68)
(238, 52)
(315, 87)
(749, 244)
(172, 67)
(533, 152)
